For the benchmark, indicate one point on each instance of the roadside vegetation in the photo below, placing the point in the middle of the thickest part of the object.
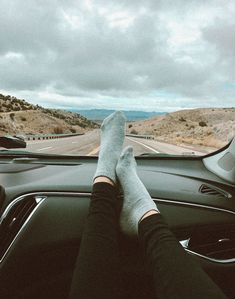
(17, 116)
(209, 127)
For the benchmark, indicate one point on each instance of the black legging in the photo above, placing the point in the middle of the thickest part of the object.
(97, 272)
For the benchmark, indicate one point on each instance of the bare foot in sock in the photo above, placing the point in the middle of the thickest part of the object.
(112, 138)
(137, 201)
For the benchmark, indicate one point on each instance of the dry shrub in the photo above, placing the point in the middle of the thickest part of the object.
(12, 115)
(202, 124)
(72, 130)
(134, 132)
(58, 130)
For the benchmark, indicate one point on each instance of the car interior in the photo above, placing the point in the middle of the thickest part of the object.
(45, 201)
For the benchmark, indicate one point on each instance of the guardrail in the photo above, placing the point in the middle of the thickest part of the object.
(56, 136)
(140, 136)
(49, 136)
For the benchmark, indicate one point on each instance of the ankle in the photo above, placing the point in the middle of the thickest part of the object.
(149, 213)
(104, 179)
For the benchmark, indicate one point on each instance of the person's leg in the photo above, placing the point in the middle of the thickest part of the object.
(96, 273)
(97, 269)
(174, 273)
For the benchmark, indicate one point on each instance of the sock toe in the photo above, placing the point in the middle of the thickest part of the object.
(127, 153)
(117, 116)
(126, 160)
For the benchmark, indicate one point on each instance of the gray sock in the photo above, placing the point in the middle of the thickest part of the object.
(112, 138)
(137, 200)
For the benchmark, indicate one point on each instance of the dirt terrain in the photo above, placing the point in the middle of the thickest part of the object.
(212, 127)
(209, 127)
(20, 117)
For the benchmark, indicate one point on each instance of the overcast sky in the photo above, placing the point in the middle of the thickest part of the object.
(147, 55)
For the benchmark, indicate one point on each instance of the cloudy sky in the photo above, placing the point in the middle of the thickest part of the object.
(153, 55)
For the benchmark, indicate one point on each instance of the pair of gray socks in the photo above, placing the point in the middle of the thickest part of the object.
(117, 164)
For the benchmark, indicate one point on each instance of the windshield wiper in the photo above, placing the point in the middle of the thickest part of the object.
(154, 155)
(163, 155)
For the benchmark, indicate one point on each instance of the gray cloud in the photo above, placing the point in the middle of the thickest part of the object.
(106, 51)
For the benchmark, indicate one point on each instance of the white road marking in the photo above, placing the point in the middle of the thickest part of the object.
(149, 147)
(75, 142)
(45, 148)
(94, 151)
(42, 141)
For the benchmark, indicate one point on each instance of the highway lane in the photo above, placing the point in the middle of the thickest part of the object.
(161, 147)
(78, 145)
(88, 144)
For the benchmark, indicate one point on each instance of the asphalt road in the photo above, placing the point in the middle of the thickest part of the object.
(88, 144)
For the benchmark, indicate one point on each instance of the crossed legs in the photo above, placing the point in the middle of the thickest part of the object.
(97, 272)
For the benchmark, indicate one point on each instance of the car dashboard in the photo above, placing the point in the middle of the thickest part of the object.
(46, 202)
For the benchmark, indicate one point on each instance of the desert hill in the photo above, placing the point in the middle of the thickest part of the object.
(20, 117)
(212, 127)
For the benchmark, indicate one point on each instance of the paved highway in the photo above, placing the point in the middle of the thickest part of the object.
(88, 144)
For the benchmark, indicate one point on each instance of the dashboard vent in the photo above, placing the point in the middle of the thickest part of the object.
(208, 190)
(13, 219)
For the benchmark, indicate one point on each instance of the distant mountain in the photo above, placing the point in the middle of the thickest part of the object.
(100, 114)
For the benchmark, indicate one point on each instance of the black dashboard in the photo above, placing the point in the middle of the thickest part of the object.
(45, 206)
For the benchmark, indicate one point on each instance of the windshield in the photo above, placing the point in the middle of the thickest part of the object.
(66, 65)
